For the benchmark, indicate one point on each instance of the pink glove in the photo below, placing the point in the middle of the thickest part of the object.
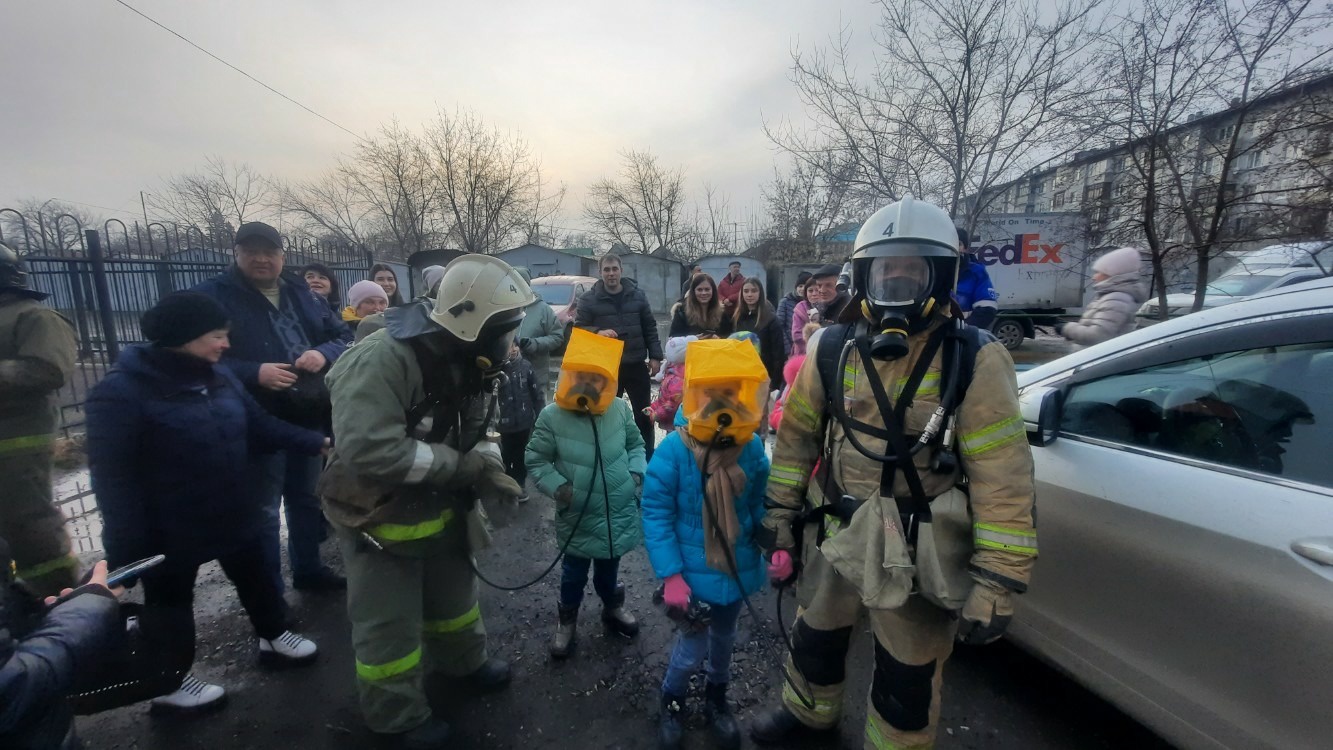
(779, 566)
(677, 593)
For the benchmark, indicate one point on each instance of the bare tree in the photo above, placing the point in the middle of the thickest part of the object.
(489, 182)
(644, 209)
(217, 198)
(331, 205)
(51, 227)
(391, 175)
(964, 95)
(1196, 184)
(805, 201)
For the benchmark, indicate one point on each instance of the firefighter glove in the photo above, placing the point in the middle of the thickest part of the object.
(985, 615)
(482, 459)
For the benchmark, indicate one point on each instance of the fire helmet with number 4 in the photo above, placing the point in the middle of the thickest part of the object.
(904, 269)
(480, 304)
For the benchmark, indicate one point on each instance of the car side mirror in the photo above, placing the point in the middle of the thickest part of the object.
(1040, 408)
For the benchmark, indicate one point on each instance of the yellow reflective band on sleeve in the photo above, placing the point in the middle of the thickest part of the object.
(798, 407)
(453, 624)
(41, 569)
(398, 532)
(930, 386)
(790, 476)
(377, 672)
(1018, 541)
(994, 436)
(25, 443)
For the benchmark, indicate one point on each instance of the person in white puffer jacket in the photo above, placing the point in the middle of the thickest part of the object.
(1118, 281)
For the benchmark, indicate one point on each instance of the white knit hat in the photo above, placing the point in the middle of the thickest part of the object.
(364, 290)
(432, 275)
(1117, 262)
(675, 348)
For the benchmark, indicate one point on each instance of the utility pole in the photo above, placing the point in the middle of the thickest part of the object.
(144, 205)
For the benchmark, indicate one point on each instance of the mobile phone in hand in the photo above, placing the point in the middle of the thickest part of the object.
(133, 570)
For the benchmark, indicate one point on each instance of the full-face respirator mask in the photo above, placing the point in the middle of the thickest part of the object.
(725, 393)
(589, 372)
(903, 270)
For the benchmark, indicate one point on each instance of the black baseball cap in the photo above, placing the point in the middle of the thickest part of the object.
(825, 271)
(252, 232)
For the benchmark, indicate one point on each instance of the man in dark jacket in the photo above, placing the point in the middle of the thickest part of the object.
(40, 654)
(283, 339)
(616, 308)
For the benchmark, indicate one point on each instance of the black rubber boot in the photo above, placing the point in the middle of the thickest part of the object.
(433, 735)
(618, 619)
(725, 732)
(778, 725)
(493, 675)
(566, 632)
(670, 730)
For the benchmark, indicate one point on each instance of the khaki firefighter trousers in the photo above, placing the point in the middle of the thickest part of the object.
(412, 614)
(32, 524)
(911, 645)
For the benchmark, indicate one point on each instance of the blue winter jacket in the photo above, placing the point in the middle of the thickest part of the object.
(169, 440)
(673, 520)
(253, 340)
(974, 285)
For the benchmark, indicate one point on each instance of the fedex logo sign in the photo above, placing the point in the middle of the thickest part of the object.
(1026, 248)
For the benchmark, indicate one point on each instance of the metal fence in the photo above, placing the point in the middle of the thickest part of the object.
(104, 279)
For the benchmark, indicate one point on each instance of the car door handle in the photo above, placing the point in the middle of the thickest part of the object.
(1319, 550)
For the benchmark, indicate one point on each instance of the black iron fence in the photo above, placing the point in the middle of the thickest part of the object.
(104, 280)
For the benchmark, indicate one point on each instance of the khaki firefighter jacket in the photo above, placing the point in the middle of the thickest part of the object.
(37, 353)
(394, 486)
(994, 456)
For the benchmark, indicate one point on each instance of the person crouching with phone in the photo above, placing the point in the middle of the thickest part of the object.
(43, 649)
(703, 499)
(169, 436)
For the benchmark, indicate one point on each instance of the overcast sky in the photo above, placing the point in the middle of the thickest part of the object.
(101, 104)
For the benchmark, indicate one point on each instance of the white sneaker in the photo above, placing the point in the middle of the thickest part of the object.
(288, 648)
(193, 695)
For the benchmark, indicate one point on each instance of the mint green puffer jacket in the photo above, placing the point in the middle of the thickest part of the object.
(562, 450)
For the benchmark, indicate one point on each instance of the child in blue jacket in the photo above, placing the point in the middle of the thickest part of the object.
(674, 525)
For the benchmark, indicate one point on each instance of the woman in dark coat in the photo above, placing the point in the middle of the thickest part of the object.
(169, 438)
(700, 313)
(755, 314)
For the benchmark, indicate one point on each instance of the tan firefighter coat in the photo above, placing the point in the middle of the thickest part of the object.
(995, 459)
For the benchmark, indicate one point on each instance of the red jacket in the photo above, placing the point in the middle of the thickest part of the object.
(730, 290)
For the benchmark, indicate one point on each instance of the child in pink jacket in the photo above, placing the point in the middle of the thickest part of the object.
(663, 409)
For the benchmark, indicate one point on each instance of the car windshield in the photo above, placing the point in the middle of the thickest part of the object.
(1240, 285)
(554, 294)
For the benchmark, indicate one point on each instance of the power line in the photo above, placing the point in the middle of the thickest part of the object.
(176, 34)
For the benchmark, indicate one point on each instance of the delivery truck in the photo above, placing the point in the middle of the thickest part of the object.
(1037, 265)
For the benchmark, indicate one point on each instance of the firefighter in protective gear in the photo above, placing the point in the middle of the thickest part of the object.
(902, 479)
(412, 408)
(37, 353)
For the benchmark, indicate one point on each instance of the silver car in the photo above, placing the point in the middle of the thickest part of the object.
(1185, 510)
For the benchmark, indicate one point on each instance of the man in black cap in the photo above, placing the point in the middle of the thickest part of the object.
(830, 300)
(283, 339)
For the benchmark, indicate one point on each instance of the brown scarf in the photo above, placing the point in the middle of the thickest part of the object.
(726, 482)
